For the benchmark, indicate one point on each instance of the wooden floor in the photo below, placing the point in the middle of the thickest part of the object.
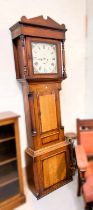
(63, 198)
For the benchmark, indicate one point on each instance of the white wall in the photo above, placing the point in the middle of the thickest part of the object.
(89, 61)
(72, 13)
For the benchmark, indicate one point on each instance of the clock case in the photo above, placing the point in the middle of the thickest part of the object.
(37, 30)
(48, 154)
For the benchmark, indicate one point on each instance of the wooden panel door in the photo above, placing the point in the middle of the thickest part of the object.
(54, 169)
(48, 112)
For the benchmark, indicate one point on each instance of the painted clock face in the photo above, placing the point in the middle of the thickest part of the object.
(44, 58)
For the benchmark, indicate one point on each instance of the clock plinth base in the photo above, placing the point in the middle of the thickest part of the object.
(48, 168)
(50, 190)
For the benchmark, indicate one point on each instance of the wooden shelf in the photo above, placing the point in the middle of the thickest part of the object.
(7, 159)
(9, 178)
(8, 138)
(6, 131)
(7, 152)
(9, 190)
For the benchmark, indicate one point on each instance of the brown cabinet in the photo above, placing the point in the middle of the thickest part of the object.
(40, 67)
(11, 183)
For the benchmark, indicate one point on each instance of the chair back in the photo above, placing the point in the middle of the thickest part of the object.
(85, 135)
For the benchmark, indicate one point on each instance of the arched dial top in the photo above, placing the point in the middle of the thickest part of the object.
(44, 57)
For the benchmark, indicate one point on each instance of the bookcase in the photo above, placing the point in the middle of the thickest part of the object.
(11, 181)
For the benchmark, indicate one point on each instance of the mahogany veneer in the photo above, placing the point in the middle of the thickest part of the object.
(48, 156)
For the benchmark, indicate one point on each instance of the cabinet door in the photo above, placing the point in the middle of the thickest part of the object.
(49, 117)
(48, 112)
(54, 169)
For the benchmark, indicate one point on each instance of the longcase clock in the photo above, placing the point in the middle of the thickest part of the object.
(40, 67)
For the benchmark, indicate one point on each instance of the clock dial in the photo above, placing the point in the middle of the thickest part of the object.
(44, 57)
